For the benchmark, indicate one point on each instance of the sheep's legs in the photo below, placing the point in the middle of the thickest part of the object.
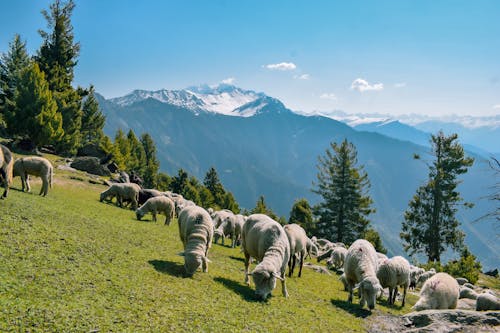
(404, 295)
(247, 263)
(3, 173)
(301, 263)
(283, 285)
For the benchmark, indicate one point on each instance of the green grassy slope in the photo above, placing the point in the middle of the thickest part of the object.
(70, 263)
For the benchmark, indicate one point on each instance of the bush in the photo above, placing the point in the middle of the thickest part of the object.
(467, 266)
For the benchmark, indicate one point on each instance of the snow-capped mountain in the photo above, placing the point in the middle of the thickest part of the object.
(223, 99)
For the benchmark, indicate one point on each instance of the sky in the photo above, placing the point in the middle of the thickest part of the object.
(360, 56)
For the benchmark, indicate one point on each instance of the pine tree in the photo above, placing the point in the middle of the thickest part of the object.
(301, 214)
(343, 186)
(57, 58)
(152, 163)
(121, 151)
(137, 161)
(36, 112)
(261, 208)
(214, 185)
(373, 237)
(229, 202)
(12, 65)
(92, 119)
(179, 182)
(430, 225)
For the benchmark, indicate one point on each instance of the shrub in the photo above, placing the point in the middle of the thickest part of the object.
(466, 266)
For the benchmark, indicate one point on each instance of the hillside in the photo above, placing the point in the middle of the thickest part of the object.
(73, 264)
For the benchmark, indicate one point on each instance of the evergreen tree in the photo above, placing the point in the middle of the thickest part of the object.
(12, 65)
(206, 197)
(214, 185)
(152, 164)
(36, 113)
(373, 237)
(301, 214)
(121, 152)
(229, 202)
(343, 186)
(179, 182)
(92, 119)
(137, 160)
(430, 224)
(164, 181)
(57, 58)
(261, 208)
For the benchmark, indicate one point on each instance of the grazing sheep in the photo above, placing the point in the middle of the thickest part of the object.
(160, 204)
(381, 256)
(36, 166)
(122, 192)
(265, 240)
(312, 249)
(440, 291)
(392, 273)
(487, 301)
(467, 293)
(298, 246)
(321, 243)
(338, 257)
(344, 281)
(181, 203)
(145, 194)
(6, 165)
(424, 277)
(415, 273)
(227, 227)
(361, 266)
(196, 231)
(240, 221)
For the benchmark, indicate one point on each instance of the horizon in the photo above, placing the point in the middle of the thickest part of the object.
(365, 57)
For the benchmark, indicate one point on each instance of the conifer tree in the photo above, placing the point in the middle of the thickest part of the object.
(121, 151)
(92, 119)
(214, 185)
(35, 110)
(261, 208)
(180, 181)
(152, 164)
(137, 160)
(343, 186)
(301, 214)
(229, 202)
(430, 224)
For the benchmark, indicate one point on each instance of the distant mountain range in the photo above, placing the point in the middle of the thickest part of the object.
(260, 147)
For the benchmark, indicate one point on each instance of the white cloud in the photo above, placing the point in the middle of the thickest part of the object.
(282, 66)
(496, 106)
(302, 77)
(363, 85)
(330, 96)
(229, 80)
(400, 85)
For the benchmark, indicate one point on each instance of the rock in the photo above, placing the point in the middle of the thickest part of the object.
(469, 285)
(467, 293)
(66, 168)
(461, 281)
(444, 321)
(89, 164)
(92, 149)
(487, 301)
(466, 304)
(493, 272)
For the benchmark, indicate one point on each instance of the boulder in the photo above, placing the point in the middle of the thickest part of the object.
(90, 164)
(462, 280)
(469, 285)
(487, 301)
(467, 293)
(92, 149)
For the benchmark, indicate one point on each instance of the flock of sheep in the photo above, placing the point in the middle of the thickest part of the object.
(274, 247)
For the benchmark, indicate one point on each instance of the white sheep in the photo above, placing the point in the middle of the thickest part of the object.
(240, 221)
(338, 257)
(440, 291)
(486, 301)
(6, 165)
(265, 240)
(154, 205)
(122, 192)
(312, 249)
(227, 227)
(415, 273)
(344, 281)
(298, 246)
(196, 232)
(36, 166)
(361, 266)
(425, 276)
(392, 273)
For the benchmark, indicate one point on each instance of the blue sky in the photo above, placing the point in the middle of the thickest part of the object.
(396, 57)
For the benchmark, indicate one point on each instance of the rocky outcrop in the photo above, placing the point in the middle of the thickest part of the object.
(91, 165)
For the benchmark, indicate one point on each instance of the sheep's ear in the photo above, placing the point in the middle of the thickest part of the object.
(276, 275)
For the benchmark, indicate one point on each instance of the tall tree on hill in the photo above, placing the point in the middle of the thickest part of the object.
(12, 65)
(343, 186)
(137, 160)
(121, 152)
(179, 182)
(430, 224)
(301, 214)
(35, 110)
(229, 202)
(213, 184)
(92, 119)
(152, 163)
(57, 58)
(261, 208)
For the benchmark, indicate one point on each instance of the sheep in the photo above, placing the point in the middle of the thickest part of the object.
(425, 276)
(312, 249)
(486, 301)
(145, 194)
(415, 273)
(122, 192)
(298, 246)
(6, 166)
(338, 257)
(344, 281)
(392, 273)
(181, 203)
(360, 266)
(196, 232)
(440, 291)
(381, 255)
(160, 204)
(265, 240)
(227, 227)
(240, 221)
(36, 166)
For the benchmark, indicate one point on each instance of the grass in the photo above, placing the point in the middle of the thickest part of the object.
(70, 263)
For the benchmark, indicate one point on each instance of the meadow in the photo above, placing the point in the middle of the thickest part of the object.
(70, 263)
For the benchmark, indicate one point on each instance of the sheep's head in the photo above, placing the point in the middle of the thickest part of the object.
(265, 282)
(139, 214)
(217, 234)
(369, 289)
(192, 262)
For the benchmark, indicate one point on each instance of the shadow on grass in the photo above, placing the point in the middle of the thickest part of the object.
(353, 309)
(168, 267)
(237, 258)
(244, 291)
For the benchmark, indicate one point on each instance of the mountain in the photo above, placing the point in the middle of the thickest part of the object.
(396, 129)
(263, 148)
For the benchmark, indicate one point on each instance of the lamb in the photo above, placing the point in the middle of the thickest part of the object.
(122, 192)
(160, 204)
(196, 232)
(227, 227)
(440, 291)
(338, 257)
(6, 165)
(486, 301)
(36, 166)
(392, 273)
(145, 194)
(298, 246)
(424, 277)
(415, 273)
(265, 240)
(360, 266)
